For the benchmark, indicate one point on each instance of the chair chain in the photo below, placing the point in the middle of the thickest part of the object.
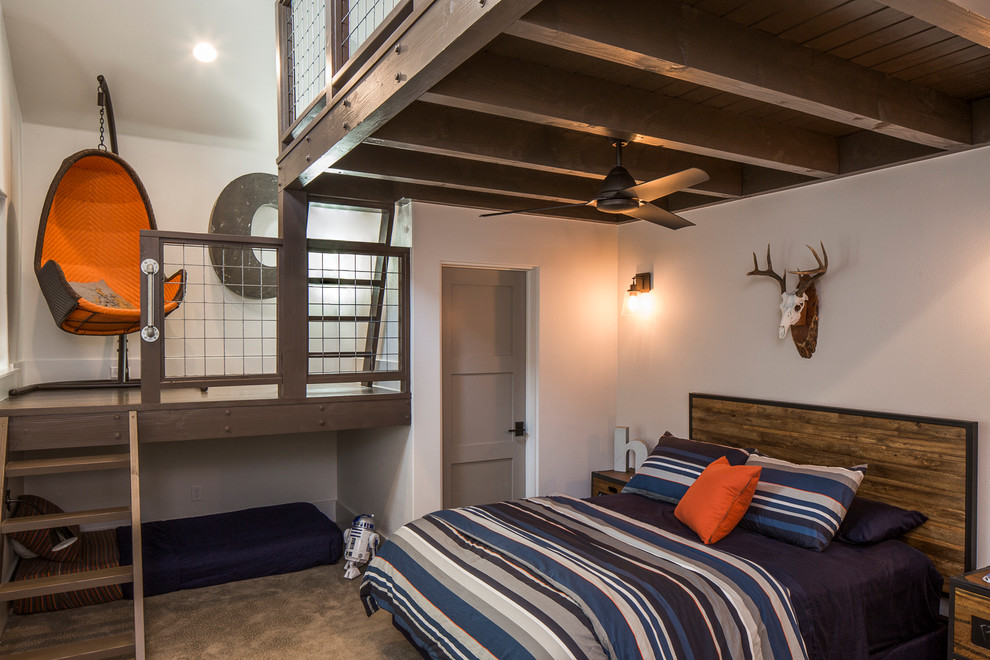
(100, 101)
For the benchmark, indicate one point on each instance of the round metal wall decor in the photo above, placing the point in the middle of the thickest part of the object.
(234, 212)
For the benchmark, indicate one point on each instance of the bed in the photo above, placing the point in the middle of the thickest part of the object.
(189, 553)
(623, 576)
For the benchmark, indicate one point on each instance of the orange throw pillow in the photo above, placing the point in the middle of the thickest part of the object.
(718, 499)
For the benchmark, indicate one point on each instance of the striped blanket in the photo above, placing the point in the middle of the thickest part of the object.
(558, 577)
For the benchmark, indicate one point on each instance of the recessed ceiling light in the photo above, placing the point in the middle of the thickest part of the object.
(205, 52)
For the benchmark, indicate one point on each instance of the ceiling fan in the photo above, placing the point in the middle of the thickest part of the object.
(620, 194)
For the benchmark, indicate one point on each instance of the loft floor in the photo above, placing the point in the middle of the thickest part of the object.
(83, 418)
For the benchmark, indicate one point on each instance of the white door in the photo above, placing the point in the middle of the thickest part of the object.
(484, 385)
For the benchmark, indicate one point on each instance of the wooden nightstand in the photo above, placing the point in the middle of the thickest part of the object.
(969, 616)
(609, 482)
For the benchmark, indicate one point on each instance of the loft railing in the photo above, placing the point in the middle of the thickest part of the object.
(225, 330)
(322, 45)
(358, 331)
(359, 28)
(237, 311)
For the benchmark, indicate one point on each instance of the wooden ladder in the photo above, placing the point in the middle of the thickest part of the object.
(103, 647)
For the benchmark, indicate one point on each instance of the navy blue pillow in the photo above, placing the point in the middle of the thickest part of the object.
(674, 464)
(868, 521)
(801, 504)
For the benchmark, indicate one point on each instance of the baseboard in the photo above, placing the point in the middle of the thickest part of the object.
(53, 371)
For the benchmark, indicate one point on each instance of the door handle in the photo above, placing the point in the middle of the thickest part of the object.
(150, 333)
(518, 430)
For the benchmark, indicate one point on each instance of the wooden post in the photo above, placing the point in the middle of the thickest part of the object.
(6, 553)
(138, 562)
(293, 268)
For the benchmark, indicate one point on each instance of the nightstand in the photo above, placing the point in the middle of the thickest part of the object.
(609, 482)
(969, 616)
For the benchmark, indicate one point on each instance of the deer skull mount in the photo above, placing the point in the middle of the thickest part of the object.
(798, 308)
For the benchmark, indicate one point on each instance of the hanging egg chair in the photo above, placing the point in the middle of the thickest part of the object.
(87, 257)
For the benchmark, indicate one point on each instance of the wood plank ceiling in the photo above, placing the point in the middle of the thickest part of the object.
(761, 94)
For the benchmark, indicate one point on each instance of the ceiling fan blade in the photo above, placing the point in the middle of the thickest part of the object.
(542, 208)
(668, 184)
(659, 216)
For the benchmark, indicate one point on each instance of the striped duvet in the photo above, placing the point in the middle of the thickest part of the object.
(557, 577)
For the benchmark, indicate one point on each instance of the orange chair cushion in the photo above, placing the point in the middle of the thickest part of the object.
(93, 225)
(718, 499)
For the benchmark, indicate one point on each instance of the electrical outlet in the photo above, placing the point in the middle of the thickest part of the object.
(196, 494)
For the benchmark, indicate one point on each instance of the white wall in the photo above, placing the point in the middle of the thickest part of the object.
(572, 372)
(904, 310)
(10, 178)
(183, 181)
(233, 474)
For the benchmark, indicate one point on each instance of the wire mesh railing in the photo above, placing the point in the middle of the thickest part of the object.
(227, 323)
(356, 313)
(306, 52)
(361, 18)
(322, 43)
(226, 330)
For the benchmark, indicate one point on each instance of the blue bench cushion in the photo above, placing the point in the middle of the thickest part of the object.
(188, 553)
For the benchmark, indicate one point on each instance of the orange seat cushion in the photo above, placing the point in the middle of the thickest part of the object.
(93, 226)
(718, 499)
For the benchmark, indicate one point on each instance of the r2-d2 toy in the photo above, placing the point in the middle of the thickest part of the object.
(361, 544)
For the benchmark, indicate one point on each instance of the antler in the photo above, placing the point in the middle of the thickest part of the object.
(807, 277)
(769, 272)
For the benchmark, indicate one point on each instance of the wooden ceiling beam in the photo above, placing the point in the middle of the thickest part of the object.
(758, 180)
(682, 201)
(431, 43)
(358, 189)
(681, 42)
(510, 88)
(435, 129)
(967, 18)
(405, 166)
(865, 150)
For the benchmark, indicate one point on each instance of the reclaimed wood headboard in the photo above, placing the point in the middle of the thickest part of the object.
(920, 463)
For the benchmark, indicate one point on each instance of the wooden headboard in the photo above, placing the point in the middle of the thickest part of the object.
(920, 463)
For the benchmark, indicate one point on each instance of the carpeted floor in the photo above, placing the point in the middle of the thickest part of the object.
(310, 614)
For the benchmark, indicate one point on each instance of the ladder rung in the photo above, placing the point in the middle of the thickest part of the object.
(57, 584)
(344, 281)
(341, 354)
(100, 647)
(47, 521)
(333, 319)
(67, 464)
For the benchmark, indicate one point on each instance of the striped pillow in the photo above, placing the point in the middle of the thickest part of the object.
(801, 504)
(99, 550)
(674, 464)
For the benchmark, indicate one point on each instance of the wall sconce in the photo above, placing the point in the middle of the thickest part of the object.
(636, 302)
